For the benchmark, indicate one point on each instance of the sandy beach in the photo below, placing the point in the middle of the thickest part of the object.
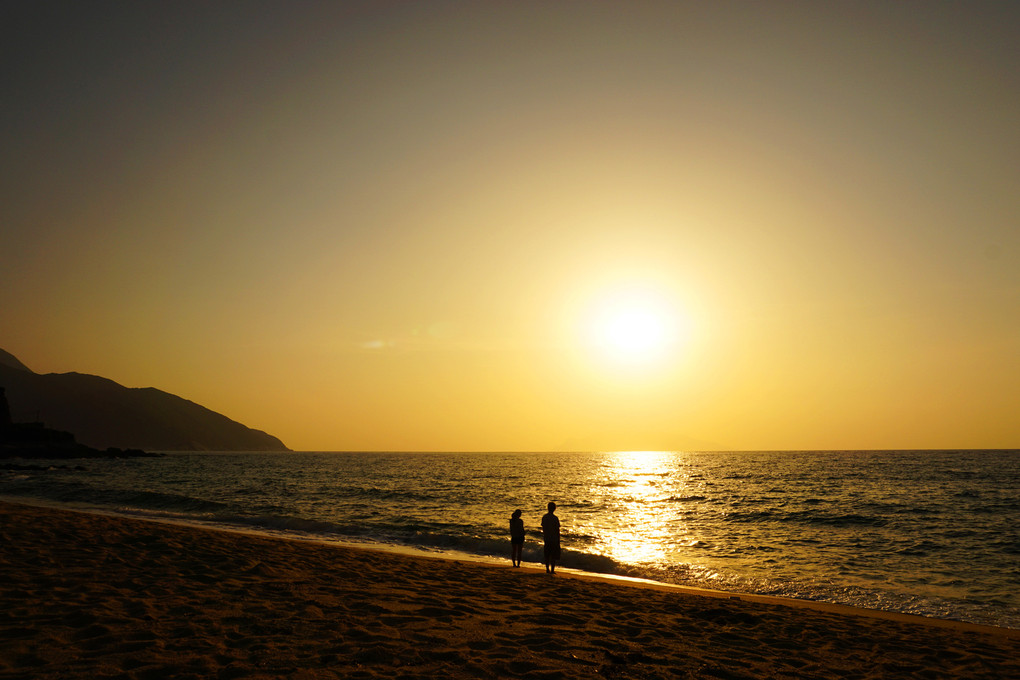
(93, 596)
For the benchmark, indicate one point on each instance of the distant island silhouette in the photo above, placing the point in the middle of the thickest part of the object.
(75, 412)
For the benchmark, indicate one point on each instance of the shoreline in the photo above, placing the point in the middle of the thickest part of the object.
(453, 556)
(92, 595)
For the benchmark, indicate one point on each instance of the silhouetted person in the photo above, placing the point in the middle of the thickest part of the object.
(516, 537)
(551, 536)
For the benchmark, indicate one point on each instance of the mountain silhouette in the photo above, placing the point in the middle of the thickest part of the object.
(104, 414)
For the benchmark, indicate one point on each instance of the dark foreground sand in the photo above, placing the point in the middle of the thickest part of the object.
(88, 596)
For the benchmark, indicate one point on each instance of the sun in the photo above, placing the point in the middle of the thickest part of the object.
(634, 327)
(633, 332)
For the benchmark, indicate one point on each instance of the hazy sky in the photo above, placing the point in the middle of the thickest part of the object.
(524, 225)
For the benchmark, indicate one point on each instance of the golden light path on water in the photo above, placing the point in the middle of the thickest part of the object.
(640, 489)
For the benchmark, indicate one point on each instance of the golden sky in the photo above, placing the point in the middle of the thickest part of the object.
(525, 225)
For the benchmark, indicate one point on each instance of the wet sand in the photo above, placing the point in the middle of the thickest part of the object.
(93, 596)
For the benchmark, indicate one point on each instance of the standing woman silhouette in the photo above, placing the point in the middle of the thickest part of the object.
(516, 537)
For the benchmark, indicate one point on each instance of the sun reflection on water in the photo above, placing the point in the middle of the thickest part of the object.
(642, 492)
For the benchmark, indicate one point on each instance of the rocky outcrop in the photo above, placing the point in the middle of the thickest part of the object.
(35, 440)
(103, 414)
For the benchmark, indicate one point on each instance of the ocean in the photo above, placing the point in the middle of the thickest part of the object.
(935, 533)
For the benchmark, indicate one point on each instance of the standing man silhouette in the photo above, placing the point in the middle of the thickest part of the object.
(551, 536)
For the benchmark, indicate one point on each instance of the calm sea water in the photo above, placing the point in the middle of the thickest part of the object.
(935, 533)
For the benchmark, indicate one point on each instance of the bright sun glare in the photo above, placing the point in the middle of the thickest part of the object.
(632, 331)
(634, 327)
